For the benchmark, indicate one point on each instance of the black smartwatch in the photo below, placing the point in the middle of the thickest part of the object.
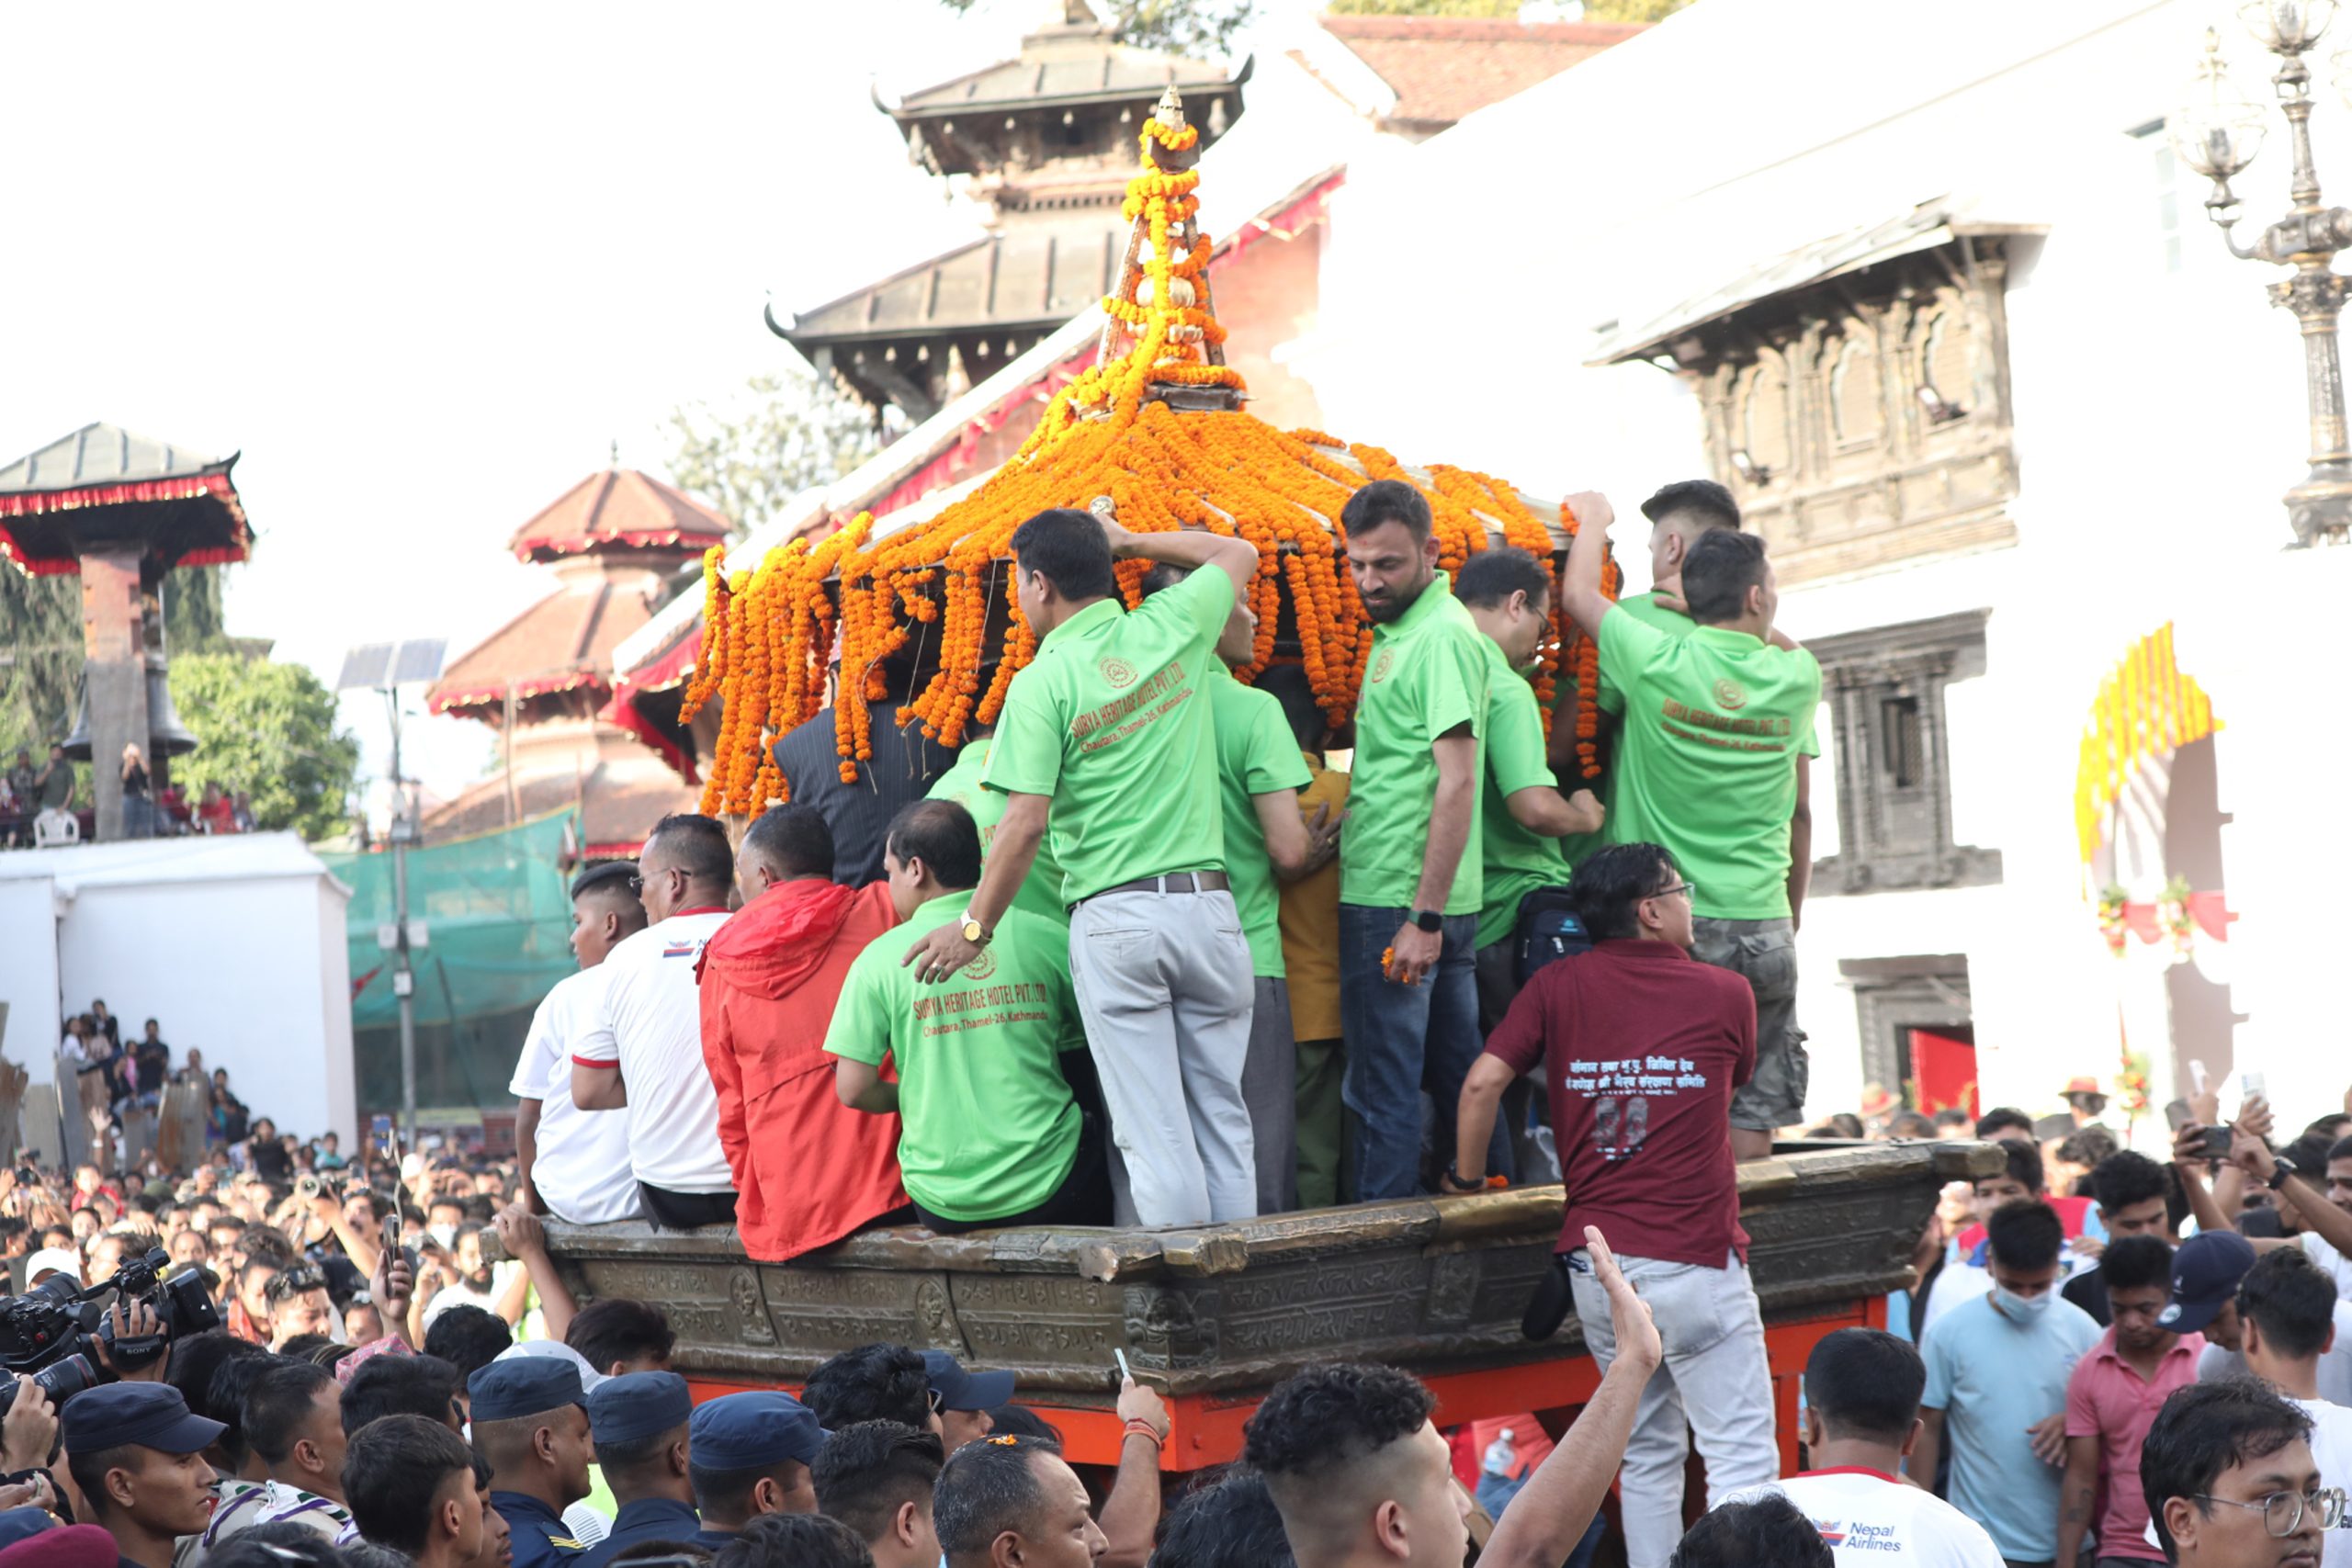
(1428, 919)
(2281, 1168)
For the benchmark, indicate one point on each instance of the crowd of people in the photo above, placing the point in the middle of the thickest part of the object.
(373, 1394)
(42, 804)
(1210, 975)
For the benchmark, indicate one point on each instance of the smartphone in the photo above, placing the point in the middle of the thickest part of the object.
(2252, 1085)
(1125, 1375)
(2217, 1140)
(2196, 1075)
(2177, 1115)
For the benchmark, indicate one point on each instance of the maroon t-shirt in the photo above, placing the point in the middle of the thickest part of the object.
(1644, 1045)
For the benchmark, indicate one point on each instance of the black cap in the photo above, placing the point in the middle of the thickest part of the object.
(960, 1390)
(136, 1415)
(2205, 1275)
(524, 1385)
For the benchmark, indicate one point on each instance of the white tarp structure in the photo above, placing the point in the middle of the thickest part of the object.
(234, 944)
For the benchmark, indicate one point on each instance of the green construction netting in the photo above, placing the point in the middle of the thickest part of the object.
(497, 918)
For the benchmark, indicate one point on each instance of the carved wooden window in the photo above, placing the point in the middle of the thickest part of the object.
(1855, 415)
(1947, 354)
(1764, 418)
(1893, 785)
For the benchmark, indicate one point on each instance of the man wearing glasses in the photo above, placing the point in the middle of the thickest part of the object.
(1643, 1048)
(1712, 763)
(2231, 1482)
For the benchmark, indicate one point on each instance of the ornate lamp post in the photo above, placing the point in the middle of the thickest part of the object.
(2217, 133)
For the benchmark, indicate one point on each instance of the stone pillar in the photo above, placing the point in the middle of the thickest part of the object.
(114, 649)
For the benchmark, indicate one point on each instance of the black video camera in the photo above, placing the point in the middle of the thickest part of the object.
(53, 1329)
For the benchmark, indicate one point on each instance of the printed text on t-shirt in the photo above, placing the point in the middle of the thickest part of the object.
(1646, 1075)
(1110, 713)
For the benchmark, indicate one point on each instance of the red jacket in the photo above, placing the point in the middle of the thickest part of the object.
(808, 1170)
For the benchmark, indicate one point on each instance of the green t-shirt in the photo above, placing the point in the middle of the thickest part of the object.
(1706, 764)
(1426, 675)
(1644, 608)
(989, 1126)
(1106, 721)
(1040, 891)
(1514, 861)
(1256, 754)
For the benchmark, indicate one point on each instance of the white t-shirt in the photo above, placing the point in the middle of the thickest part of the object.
(650, 1024)
(2331, 1450)
(2335, 1367)
(2330, 1262)
(582, 1167)
(502, 1275)
(1873, 1520)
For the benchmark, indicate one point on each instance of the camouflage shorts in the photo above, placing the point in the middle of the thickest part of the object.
(1764, 954)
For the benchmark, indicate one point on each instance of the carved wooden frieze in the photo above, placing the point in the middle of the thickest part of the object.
(1864, 418)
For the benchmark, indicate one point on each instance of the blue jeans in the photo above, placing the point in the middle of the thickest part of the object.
(1401, 1039)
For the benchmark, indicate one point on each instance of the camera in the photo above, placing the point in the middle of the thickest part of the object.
(56, 1324)
(60, 1380)
(310, 1186)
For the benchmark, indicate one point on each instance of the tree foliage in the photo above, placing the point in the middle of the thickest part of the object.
(41, 646)
(780, 434)
(267, 728)
(1181, 26)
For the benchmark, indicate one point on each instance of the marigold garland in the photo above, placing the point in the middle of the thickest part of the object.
(1111, 431)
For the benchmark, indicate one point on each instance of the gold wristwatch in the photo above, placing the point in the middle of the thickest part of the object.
(975, 933)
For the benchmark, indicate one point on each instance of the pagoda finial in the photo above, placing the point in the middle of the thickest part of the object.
(1161, 342)
(617, 452)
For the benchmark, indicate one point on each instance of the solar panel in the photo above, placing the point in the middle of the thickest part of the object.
(364, 667)
(418, 660)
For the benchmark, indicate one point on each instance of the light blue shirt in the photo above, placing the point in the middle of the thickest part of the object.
(1994, 1377)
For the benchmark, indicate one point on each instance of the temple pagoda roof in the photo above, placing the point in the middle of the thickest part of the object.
(618, 507)
(1073, 61)
(104, 486)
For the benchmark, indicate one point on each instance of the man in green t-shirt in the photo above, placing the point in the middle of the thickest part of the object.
(1259, 773)
(1523, 813)
(1717, 723)
(1681, 513)
(1041, 890)
(992, 1134)
(1110, 727)
(1410, 887)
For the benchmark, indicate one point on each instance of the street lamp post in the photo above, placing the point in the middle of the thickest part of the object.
(2217, 133)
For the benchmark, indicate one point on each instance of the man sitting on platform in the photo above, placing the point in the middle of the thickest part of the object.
(641, 1055)
(991, 1134)
(1108, 727)
(808, 1173)
(574, 1163)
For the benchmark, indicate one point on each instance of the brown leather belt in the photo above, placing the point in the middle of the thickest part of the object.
(1174, 882)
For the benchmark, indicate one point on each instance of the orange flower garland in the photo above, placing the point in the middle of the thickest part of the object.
(930, 591)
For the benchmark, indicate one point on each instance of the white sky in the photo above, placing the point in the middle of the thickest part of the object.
(421, 264)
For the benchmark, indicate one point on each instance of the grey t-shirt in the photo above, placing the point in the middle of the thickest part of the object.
(2335, 1367)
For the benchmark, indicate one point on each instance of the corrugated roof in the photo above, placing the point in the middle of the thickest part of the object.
(1025, 278)
(617, 506)
(563, 642)
(104, 455)
(1444, 68)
